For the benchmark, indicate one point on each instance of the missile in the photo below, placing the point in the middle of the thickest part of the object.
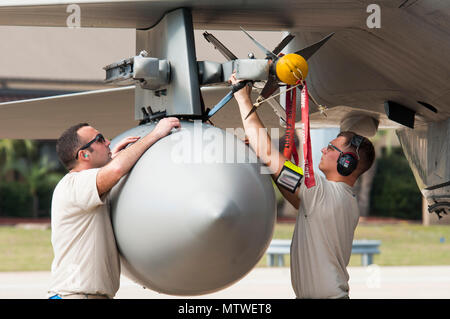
(195, 214)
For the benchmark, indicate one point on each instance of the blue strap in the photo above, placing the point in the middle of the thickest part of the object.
(222, 102)
(55, 297)
(236, 87)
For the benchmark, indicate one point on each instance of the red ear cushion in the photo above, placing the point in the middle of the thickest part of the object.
(351, 154)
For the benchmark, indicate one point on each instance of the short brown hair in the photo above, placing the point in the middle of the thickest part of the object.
(366, 151)
(68, 144)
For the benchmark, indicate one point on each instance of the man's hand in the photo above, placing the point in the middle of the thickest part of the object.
(164, 127)
(242, 94)
(123, 144)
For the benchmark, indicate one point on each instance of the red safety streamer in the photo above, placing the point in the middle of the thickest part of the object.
(307, 153)
(289, 145)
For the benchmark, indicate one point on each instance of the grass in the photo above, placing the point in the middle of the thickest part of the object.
(401, 245)
(407, 244)
(25, 249)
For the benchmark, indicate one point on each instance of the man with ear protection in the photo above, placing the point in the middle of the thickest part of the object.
(327, 212)
(86, 262)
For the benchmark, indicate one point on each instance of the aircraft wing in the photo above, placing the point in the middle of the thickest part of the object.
(360, 68)
(143, 14)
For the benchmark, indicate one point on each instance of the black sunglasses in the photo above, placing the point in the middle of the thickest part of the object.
(98, 138)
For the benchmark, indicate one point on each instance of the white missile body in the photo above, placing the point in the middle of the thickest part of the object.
(195, 214)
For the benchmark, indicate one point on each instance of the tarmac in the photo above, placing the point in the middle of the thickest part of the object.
(372, 282)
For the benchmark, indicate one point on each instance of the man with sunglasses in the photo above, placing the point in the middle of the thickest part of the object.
(327, 212)
(86, 262)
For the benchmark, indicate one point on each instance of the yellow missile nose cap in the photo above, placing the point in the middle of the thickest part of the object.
(291, 67)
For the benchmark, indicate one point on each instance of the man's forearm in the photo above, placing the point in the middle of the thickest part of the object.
(126, 158)
(112, 172)
(260, 142)
(258, 137)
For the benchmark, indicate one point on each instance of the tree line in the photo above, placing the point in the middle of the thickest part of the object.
(27, 179)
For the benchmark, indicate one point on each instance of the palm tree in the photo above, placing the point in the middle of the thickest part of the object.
(7, 155)
(10, 150)
(36, 174)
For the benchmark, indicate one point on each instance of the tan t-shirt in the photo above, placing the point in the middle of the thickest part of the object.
(86, 258)
(322, 241)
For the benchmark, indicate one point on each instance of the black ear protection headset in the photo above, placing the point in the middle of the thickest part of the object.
(348, 161)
